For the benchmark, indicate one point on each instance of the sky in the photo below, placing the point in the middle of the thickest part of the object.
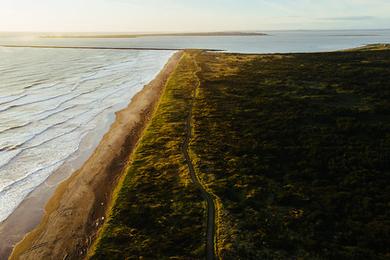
(191, 15)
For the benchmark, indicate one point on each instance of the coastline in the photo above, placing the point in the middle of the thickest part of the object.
(78, 206)
(30, 212)
(140, 35)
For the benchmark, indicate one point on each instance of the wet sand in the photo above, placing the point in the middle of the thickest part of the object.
(29, 213)
(78, 206)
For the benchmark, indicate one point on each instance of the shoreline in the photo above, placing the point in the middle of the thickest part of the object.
(97, 48)
(78, 206)
(17, 225)
(135, 35)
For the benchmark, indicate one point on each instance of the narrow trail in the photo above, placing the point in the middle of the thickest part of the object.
(210, 232)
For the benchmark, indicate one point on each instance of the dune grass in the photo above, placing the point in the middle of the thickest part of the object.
(373, 47)
(295, 147)
(158, 213)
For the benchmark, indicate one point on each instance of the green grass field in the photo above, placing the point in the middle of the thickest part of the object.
(295, 147)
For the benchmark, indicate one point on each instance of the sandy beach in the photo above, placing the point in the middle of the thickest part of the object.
(29, 213)
(77, 207)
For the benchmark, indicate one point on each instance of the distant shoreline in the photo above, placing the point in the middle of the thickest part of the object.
(97, 48)
(121, 36)
(354, 35)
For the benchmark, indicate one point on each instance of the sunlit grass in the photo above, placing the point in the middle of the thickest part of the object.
(294, 147)
(158, 213)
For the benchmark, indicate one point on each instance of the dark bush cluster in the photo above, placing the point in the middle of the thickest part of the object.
(297, 149)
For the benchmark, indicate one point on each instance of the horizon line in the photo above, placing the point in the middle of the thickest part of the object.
(191, 31)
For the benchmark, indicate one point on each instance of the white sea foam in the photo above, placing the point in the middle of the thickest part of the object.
(50, 99)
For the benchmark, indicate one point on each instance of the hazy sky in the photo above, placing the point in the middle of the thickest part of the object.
(191, 15)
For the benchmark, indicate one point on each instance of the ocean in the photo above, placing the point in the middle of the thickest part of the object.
(274, 42)
(51, 99)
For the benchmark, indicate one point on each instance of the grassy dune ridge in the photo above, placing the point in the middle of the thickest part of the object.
(295, 148)
(158, 213)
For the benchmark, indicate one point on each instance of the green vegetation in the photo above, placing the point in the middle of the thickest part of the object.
(158, 213)
(373, 47)
(296, 149)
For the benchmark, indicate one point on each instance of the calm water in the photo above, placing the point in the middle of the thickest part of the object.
(50, 99)
(277, 41)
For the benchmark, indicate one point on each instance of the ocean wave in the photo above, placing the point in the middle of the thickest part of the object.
(47, 107)
(11, 100)
(10, 199)
(72, 97)
(32, 136)
(47, 113)
(20, 148)
(72, 130)
(7, 157)
(15, 183)
(13, 128)
(36, 83)
(33, 102)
